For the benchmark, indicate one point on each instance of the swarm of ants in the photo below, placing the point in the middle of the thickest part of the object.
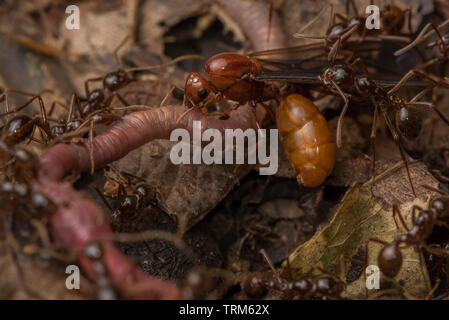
(60, 178)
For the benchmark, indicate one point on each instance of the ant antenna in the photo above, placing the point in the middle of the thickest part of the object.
(174, 61)
(270, 264)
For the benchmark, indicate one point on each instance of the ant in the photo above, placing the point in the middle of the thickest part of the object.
(257, 284)
(93, 251)
(442, 43)
(17, 163)
(338, 33)
(128, 204)
(227, 76)
(390, 257)
(22, 127)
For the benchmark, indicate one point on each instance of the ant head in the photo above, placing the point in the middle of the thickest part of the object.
(196, 89)
(343, 76)
(144, 192)
(441, 206)
(408, 121)
(390, 259)
(116, 80)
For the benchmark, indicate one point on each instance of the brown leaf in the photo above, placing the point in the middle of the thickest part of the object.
(361, 217)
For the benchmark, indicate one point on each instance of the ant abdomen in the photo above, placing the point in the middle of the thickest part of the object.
(408, 121)
(255, 285)
(390, 259)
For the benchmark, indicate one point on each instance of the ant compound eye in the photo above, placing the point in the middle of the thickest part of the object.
(202, 93)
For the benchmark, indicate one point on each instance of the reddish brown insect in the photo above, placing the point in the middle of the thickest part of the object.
(390, 257)
(128, 203)
(337, 34)
(226, 76)
(307, 139)
(258, 284)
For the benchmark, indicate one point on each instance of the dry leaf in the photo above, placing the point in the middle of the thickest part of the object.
(359, 218)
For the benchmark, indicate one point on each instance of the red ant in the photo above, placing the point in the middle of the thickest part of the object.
(22, 127)
(226, 76)
(128, 204)
(390, 257)
(257, 284)
(338, 33)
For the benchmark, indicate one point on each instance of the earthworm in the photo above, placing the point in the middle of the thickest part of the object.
(78, 221)
(130, 133)
(253, 17)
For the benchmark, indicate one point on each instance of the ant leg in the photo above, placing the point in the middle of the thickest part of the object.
(26, 104)
(362, 65)
(378, 241)
(437, 251)
(341, 17)
(414, 209)
(106, 203)
(354, 7)
(432, 104)
(119, 97)
(396, 211)
(167, 95)
(373, 145)
(414, 72)
(419, 38)
(401, 149)
(54, 104)
(342, 113)
(75, 100)
(86, 84)
(409, 18)
(329, 24)
(91, 145)
(116, 50)
(269, 111)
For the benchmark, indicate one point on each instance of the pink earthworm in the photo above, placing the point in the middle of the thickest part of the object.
(253, 17)
(78, 220)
